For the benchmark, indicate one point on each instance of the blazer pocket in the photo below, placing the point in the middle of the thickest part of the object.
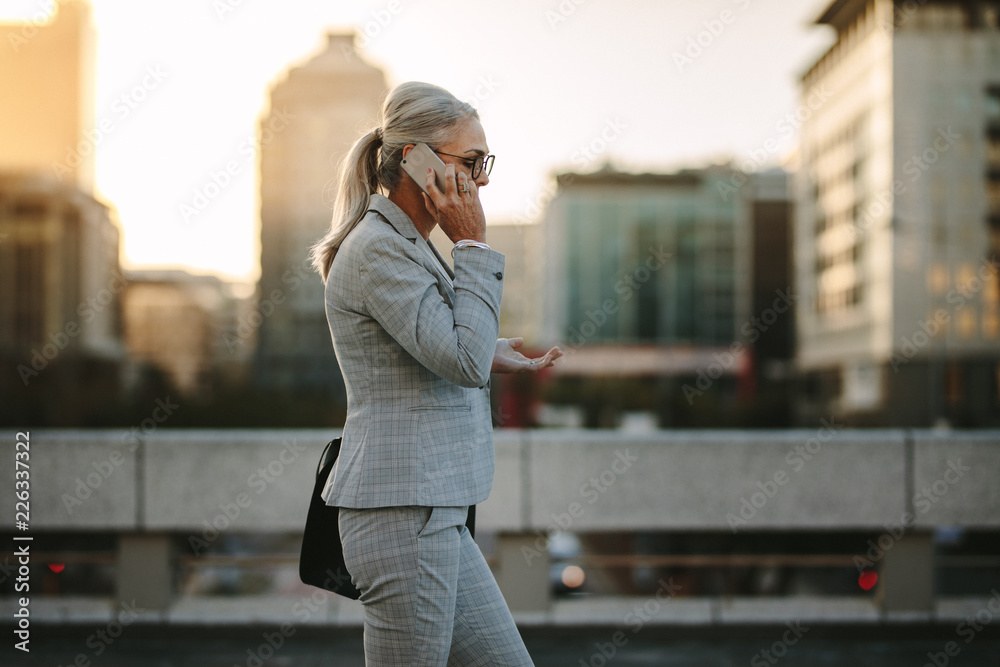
(445, 446)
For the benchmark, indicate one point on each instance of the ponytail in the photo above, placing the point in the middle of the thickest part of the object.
(414, 112)
(357, 181)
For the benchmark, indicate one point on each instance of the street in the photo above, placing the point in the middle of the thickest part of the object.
(570, 646)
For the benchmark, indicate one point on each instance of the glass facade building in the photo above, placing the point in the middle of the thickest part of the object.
(647, 259)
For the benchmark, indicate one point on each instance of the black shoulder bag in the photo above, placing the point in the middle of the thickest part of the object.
(321, 562)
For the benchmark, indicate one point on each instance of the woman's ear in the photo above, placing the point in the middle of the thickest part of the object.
(407, 148)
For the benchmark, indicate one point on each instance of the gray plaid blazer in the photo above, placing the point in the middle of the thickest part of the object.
(415, 342)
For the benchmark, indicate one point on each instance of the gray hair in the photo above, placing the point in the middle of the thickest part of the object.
(413, 112)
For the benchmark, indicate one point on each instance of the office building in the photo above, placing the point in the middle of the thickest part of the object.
(195, 329)
(60, 278)
(898, 215)
(47, 119)
(653, 277)
(645, 259)
(60, 291)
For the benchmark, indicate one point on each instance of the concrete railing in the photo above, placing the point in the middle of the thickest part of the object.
(601, 480)
(169, 481)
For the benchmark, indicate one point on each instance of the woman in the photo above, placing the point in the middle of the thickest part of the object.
(416, 342)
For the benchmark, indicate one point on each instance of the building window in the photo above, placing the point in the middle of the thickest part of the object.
(26, 208)
(991, 106)
(29, 297)
(647, 312)
(965, 323)
(855, 295)
(997, 393)
(990, 16)
(993, 156)
(938, 279)
(991, 109)
(953, 384)
(991, 291)
(940, 17)
(686, 282)
(993, 196)
(991, 324)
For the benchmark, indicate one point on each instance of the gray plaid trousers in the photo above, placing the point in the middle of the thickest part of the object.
(429, 597)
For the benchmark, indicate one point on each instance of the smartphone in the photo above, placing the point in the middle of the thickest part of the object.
(416, 162)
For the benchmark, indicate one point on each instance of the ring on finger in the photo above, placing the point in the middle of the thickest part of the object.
(464, 188)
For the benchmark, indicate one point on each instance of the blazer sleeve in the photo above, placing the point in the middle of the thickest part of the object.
(456, 342)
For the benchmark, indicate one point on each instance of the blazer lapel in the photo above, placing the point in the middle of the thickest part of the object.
(442, 261)
(432, 259)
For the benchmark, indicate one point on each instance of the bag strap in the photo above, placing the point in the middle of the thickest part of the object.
(322, 457)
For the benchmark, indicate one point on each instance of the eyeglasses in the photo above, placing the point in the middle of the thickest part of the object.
(480, 163)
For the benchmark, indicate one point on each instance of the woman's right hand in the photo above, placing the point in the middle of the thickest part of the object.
(459, 214)
(508, 359)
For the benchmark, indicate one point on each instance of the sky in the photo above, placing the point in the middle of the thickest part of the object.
(560, 85)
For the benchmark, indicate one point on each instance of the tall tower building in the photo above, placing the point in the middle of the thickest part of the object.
(316, 113)
(60, 278)
(47, 94)
(898, 215)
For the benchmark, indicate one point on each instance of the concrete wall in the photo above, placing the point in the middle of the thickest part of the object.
(260, 480)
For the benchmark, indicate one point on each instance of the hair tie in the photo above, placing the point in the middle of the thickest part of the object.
(378, 134)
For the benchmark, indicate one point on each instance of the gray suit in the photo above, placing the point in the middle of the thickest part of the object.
(415, 342)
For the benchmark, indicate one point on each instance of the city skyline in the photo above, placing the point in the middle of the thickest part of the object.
(199, 196)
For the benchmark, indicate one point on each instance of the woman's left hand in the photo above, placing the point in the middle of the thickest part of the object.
(507, 359)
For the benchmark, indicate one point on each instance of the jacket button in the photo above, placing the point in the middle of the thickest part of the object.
(499, 275)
